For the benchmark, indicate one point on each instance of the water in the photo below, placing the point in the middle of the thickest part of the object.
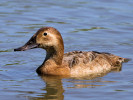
(100, 25)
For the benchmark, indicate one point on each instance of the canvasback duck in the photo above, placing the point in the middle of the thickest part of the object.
(76, 63)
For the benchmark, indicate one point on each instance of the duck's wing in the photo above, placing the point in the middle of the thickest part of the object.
(92, 58)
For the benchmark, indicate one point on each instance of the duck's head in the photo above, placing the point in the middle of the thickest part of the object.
(46, 38)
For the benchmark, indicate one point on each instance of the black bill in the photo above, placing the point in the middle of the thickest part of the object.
(29, 45)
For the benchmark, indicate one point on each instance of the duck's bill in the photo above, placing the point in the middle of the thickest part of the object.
(26, 47)
(29, 45)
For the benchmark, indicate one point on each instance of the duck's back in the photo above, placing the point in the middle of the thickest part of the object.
(83, 62)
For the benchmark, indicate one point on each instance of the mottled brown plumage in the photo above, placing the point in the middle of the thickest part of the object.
(76, 63)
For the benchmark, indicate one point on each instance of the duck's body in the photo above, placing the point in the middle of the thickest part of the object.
(81, 63)
(76, 63)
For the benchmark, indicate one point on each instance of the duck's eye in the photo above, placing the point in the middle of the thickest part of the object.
(44, 34)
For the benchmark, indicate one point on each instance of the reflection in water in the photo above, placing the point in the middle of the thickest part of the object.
(54, 89)
(54, 86)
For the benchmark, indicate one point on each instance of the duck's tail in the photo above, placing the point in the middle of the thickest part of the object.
(119, 60)
(126, 60)
(117, 65)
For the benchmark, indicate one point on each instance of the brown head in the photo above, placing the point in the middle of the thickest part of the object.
(47, 38)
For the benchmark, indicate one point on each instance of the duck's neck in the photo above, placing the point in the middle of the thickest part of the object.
(55, 54)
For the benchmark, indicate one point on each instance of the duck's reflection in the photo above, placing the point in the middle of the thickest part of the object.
(54, 86)
(54, 89)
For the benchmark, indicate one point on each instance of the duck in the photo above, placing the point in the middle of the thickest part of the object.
(75, 63)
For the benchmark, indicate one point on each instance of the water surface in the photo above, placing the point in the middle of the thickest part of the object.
(99, 25)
